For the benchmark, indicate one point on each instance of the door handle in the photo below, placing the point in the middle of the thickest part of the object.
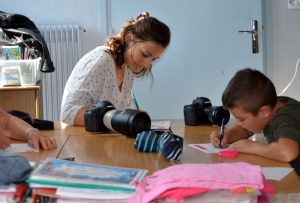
(254, 34)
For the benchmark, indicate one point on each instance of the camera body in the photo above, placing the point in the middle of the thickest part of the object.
(202, 111)
(105, 117)
(93, 118)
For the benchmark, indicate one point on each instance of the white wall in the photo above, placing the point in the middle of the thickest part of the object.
(283, 41)
(286, 47)
(205, 42)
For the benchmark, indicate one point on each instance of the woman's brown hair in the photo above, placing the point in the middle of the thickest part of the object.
(144, 28)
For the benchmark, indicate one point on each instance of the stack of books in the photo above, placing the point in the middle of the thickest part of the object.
(57, 179)
(12, 193)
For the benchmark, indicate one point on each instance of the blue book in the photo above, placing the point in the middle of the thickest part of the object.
(10, 52)
(57, 172)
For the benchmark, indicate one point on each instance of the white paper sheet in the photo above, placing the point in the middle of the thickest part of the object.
(18, 148)
(162, 125)
(7, 188)
(92, 193)
(275, 173)
(207, 148)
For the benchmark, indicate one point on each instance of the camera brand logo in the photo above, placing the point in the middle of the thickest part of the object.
(207, 102)
(110, 106)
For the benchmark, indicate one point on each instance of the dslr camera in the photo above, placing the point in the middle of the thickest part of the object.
(104, 117)
(202, 111)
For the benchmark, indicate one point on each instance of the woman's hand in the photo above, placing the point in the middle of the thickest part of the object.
(4, 139)
(36, 139)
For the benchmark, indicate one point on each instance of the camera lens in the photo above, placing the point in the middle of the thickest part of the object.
(128, 122)
(191, 114)
(138, 123)
(215, 114)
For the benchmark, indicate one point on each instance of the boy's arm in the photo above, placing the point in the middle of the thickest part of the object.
(285, 150)
(236, 133)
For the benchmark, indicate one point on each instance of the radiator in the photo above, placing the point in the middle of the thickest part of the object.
(64, 45)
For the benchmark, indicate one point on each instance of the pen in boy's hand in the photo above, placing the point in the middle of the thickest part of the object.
(222, 132)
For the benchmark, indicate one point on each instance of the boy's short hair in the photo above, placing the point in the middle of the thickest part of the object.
(250, 90)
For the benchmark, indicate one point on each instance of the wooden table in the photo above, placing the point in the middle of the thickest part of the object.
(118, 150)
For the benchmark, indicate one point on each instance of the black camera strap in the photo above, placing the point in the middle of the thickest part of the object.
(43, 124)
(36, 123)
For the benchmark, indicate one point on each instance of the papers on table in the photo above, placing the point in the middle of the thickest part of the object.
(92, 193)
(207, 148)
(160, 125)
(18, 148)
(32, 163)
(270, 173)
(275, 173)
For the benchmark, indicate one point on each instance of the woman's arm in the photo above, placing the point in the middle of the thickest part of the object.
(79, 118)
(20, 130)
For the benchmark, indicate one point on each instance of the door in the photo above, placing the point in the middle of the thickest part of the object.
(205, 50)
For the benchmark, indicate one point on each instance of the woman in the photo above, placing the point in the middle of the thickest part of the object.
(107, 72)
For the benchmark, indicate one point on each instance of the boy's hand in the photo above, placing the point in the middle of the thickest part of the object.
(244, 146)
(215, 139)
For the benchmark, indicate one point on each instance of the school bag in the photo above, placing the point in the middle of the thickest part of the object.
(16, 29)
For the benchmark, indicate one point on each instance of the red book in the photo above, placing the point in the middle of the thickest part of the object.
(16, 196)
(40, 193)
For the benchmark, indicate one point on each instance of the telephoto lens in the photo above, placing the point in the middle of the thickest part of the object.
(129, 122)
(215, 114)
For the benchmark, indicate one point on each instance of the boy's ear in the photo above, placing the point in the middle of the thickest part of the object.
(265, 111)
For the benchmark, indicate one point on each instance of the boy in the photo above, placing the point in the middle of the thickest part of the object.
(251, 98)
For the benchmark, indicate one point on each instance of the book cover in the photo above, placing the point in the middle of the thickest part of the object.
(10, 52)
(73, 174)
(11, 75)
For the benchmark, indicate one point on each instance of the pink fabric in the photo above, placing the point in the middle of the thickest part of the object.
(177, 194)
(212, 176)
(268, 189)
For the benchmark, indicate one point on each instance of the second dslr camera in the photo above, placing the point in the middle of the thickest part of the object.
(202, 111)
